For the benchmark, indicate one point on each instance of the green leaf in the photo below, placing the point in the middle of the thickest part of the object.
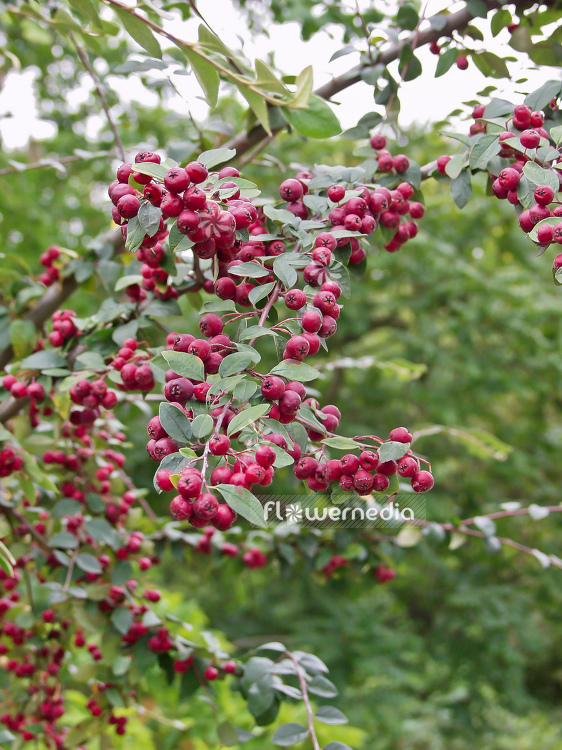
(295, 371)
(539, 176)
(149, 218)
(446, 60)
(7, 560)
(392, 450)
(120, 666)
(234, 363)
(341, 443)
(330, 715)
(316, 121)
(247, 416)
(500, 20)
(63, 540)
(243, 502)
(22, 334)
(216, 156)
(139, 31)
(285, 272)
(186, 365)
(258, 105)
(321, 686)
(336, 746)
(407, 17)
(43, 361)
(455, 165)
(461, 189)
(289, 734)
(175, 422)
(202, 426)
(151, 168)
(251, 270)
(484, 151)
(227, 734)
(206, 74)
(256, 294)
(135, 235)
(539, 99)
(477, 8)
(122, 619)
(88, 563)
(126, 281)
(90, 361)
(339, 273)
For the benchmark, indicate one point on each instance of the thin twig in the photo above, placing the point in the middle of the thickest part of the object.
(265, 312)
(97, 83)
(305, 699)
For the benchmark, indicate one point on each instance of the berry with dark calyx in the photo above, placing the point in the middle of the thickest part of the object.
(272, 387)
(128, 206)
(422, 481)
(530, 138)
(200, 348)
(544, 195)
(36, 392)
(325, 302)
(265, 455)
(211, 325)
(176, 180)
(179, 390)
(363, 481)
(305, 467)
(205, 506)
(349, 463)
(219, 445)
(333, 287)
(291, 190)
(377, 141)
(295, 299)
(297, 347)
(401, 163)
(196, 172)
(407, 466)
(336, 193)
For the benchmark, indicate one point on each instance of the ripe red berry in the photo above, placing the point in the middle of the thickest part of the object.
(224, 518)
(530, 138)
(422, 481)
(378, 141)
(211, 673)
(544, 195)
(205, 506)
(291, 190)
(295, 299)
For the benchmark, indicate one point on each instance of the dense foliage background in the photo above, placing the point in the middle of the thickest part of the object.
(461, 329)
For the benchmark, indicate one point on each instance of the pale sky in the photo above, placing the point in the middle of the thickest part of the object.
(424, 100)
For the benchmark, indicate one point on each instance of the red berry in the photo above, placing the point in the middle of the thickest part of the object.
(422, 481)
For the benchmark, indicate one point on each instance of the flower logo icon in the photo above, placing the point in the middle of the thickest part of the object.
(293, 514)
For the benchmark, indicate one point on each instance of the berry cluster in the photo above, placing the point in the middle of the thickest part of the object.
(51, 272)
(9, 462)
(136, 373)
(388, 206)
(525, 140)
(364, 473)
(63, 328)
(19, 389)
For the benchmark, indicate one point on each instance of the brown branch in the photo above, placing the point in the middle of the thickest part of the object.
(98, 86)
(40, 165)
(245, 141)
